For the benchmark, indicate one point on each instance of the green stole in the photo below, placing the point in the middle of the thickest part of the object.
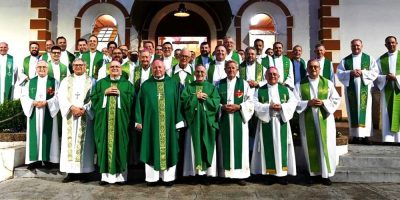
(210, 71)
(63, 70)
(45, 57)
(235, 57)
(199, 60)
(267, 131)
(97, 63)
(47, 125)
(237, 124)
(265, 61)
(189, 77)
(26, 65)
(243, 70)
(310, 131)
(392, 93)
(125, 69)
(286, 66)
(326, 72)
(8, 82)
(303, 67)
(137, 77)
(357, 117)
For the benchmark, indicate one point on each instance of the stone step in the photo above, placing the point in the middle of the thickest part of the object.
(23, 172)
(367, 174)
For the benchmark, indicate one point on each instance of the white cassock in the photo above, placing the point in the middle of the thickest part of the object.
(52, 105)
(368, 76)
(219, 71)
(22, 76)
(246, 111)
(330, 106)
(277, 61)
(260, 57)
(387, 135)
(57, 71)
(266, 115)
(168, 65)
(78, 153)
(64, 59)
(251, 74)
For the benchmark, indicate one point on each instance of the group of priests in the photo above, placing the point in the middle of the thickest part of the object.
(218, 115)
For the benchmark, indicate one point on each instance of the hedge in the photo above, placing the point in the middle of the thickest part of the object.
(12, 118)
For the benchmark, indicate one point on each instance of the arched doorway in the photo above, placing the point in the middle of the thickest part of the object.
(106, 30)
(262, 26)
(190, 36)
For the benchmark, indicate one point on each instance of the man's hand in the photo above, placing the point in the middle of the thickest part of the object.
(139, 127)
(77, 112)
(391, 77)
(315, 103)
(275, 106)
(40, 104)
(112, 91)
(230, 108)
(201, 96)
(253, 84)
(356, 73)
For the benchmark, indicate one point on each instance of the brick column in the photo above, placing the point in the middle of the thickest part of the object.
(41, 24)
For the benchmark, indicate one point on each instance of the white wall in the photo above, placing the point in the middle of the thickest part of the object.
(15, 30)
(369, 20)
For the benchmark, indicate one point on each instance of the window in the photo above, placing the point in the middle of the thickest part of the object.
(106, 30)
(262, 27)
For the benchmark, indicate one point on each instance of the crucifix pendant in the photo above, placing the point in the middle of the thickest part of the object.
(77, 94)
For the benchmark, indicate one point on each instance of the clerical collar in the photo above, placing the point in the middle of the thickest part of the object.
(392, 53)
(55, 62)
(230, 80)
(357, 54)
(272, 86)
(186, 69)
(115, 78)
(3, 55)
(168, 58)
(92, 52)
(321, 58)
(161, 78)
(275, 56)
(219, 62)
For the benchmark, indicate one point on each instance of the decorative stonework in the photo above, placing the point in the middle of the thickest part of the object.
(41, 24)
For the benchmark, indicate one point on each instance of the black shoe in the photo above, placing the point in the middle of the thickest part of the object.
(282, 181)
(326, 181)
(169, 184)
(205, 181)
(34, 165)
(121, 183)
(103, 183)
(241, 182)
(312, 180)
(68, 178)
(151, 184)
(366, 141)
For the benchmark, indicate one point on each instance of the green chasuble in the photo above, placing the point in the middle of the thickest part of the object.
(137, 76)
(47, 125)
(267, 131)
(303, 70)
(111, 124)
(259, 71)
(63, 70)
(199, 60)
(237, 123)
(158, 111)
(201, 118)
(45, 57)
(392, 93)
(358, 116)
(235, 57)
(311, 130)
(8, 78)
(97, 63)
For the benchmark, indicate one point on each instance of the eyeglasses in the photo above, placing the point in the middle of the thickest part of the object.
(184, 56)
(41, 67)
(78, 65)
(56, 53)
(115, 66)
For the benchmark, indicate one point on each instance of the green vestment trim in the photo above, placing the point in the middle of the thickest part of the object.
(392, 93)
(267, 131)
(258, 72)
(237, 124)
(26, 65)
(310, 130)
(63, 70)
(210, 71)
(235, 57)
(286, 66)
(47, 122)
(327, 69)
(357, 116)
(8, 82)
(97, 63)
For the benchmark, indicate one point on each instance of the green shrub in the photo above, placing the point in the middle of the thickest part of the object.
(12, 118)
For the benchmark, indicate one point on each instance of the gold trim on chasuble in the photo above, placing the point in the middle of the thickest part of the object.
(161, 125)
(70, 118)
(111, 125)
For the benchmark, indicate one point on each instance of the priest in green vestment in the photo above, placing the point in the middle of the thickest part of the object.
(168, 59)
(388, 82)
(126, 68)
(318, 101)
(205, 57)
(299, 67)
(273, 152)
(143, 71)
(200, 101)
(157, 117)
(46, 55)
(325, 64)
(40, 105)
(8, 74)
(112, 102)
(28, 69)
(94, 58)
(57, 69)
(357, 72)
(231, 53)
(237, 109)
